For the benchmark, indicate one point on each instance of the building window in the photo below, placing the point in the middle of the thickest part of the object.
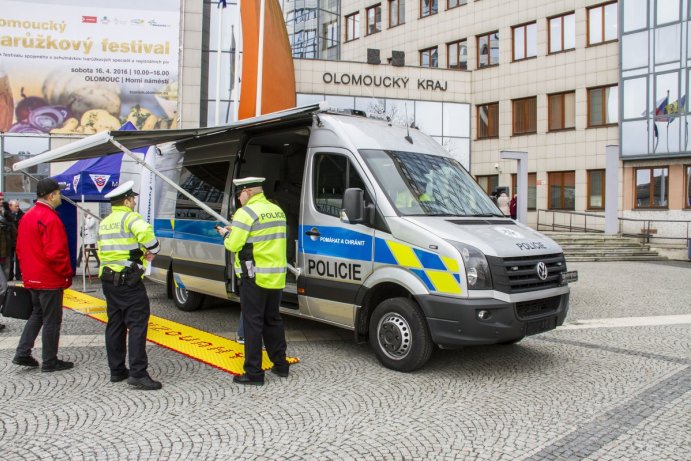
(429, 57)
(687, 196)
(603, 104)
(488, 183)
(457, 55)
(562, 111)
(330, 35)
(352, 26)
(428, 7)
(488, 50)
(488, 121)
(652, 185)
(562, 33)
(525, 115)
(596, 189)
(602, 23)
(373, 19)
(396, 12)
(532, 189)
(562, 190)
(524, 41)
(454, 3)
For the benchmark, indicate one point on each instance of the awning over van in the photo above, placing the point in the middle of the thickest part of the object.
(101, 144)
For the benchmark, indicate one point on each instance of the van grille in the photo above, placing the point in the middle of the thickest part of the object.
(537, 307)
(519, 274)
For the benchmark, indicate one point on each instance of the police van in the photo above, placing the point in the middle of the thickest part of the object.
(388, 235)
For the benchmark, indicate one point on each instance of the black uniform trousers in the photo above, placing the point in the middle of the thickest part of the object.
(128, 309)
(46, 315)
(262, 321)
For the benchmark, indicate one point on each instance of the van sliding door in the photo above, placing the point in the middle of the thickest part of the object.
(199, 260)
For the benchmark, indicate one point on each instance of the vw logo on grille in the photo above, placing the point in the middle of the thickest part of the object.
(541, 270)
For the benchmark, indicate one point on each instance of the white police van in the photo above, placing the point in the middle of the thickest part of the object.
(389, 236)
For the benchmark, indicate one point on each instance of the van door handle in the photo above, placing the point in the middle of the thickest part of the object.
(314, 232)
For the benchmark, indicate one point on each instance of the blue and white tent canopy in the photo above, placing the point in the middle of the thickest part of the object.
(90, 179)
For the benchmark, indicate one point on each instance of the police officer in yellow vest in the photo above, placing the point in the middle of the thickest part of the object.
(258, 239)
(126, 243)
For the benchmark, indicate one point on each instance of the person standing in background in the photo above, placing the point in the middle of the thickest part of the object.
(503, 204)
(13, 214)
(5, 238)
(513, 206)
(43, 251)
(3, 292)
(89, 237)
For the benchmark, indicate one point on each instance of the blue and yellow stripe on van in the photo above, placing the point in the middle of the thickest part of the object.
(438, 273)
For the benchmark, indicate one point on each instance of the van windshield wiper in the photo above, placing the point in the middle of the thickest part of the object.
(486, 215)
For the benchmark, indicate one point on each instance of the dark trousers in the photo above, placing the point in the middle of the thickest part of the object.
(128, 309)
(13, 265)
(262, 321)
(46, 314)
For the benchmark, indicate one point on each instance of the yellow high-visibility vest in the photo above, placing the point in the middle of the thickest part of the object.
(258, 237)
(123, 237)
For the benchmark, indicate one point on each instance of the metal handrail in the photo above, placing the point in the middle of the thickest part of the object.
(646, 232)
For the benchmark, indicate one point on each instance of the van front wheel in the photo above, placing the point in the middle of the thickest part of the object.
(399, 336)
(186, 300)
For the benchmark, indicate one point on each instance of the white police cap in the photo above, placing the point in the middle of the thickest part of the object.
(122, 191)
(246, 183)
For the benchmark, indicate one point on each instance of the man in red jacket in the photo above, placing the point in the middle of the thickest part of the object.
(46, 272)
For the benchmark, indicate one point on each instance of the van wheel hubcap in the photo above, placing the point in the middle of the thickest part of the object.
(181, 295)
(394, 336)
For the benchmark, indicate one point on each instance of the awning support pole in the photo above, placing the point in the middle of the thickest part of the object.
(170, 182)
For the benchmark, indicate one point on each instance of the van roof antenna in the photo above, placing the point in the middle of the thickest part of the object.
(407, 127)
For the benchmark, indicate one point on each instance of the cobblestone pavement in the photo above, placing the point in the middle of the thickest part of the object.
(602, 393)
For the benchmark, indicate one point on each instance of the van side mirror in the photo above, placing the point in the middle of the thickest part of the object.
(353, 211)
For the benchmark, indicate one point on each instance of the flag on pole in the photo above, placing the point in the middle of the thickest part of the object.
(675, 108)
(661, 109)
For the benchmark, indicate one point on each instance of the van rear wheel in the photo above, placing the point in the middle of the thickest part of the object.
(186, 300)
(399, 336)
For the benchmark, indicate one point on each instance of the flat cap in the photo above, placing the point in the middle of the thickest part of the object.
(246, 183)
(124, 190)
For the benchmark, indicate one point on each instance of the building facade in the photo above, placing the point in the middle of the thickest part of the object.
(544, 77)
(540, 81)
(560, 80)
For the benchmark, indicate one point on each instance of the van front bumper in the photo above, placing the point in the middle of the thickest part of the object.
(457, 322)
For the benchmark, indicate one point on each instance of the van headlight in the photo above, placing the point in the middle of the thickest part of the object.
(476, 268)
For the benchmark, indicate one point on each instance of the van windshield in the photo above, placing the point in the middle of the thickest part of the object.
(428, 185)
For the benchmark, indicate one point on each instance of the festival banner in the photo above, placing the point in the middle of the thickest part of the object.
(78, 66)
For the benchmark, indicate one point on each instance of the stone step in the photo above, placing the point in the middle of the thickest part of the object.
(593, 237)
(606, 247)
(588, 246)
(568, 254)
(602, 245)
(614, 258)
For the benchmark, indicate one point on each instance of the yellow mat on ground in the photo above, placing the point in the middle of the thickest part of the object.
(214, 350)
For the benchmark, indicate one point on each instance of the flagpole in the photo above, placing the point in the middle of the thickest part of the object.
(260, 60)
(668, 119)
(219, 43)
(231, 85)
(84, 261)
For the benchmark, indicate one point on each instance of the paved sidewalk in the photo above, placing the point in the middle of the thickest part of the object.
(618, 389)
